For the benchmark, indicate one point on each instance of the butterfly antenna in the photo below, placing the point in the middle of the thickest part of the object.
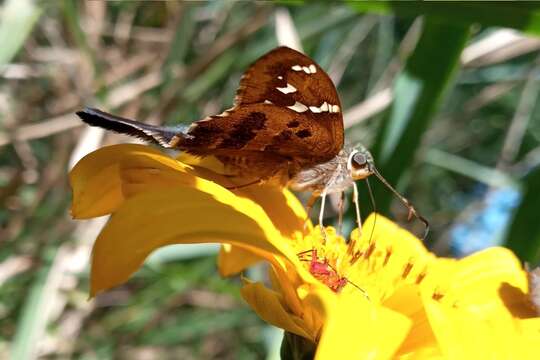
(404, 201)
(372, 199)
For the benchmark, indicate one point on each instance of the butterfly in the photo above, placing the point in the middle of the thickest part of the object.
(286, 125)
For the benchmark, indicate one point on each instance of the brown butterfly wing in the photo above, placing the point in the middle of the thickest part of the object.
(286, 108)
(261, 128)
(282, 68)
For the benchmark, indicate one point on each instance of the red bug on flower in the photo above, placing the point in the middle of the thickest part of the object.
(324, 272)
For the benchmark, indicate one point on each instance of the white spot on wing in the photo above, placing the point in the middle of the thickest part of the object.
(298, 107)
(312, 68)
(224, 114)
(306, 69)
(324, 106)
(267, 102)
(297, 68)
(288, 89)
(280, 77)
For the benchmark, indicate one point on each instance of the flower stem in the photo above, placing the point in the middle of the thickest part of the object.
(294, 347)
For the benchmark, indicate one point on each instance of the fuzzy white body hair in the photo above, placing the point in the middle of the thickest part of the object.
(333, 175)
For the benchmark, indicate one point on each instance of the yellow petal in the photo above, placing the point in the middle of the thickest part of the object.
(386, 233)
(282, 207)
(287, 215)
(140, 171)
(96, 183)
(269, 306)
(286, 280)
(390, 257)
(530, 333)
(464, 334)
(357, 329)
(178, 215)
(407, 301)
(100, 196)
(422, 353)
(486, 279)
(233, 259)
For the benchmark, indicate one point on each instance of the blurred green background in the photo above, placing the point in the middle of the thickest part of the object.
(445, 95)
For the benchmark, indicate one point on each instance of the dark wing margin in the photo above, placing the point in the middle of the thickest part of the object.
(153, 134)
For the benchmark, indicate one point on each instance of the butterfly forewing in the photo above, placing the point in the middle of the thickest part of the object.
(263, 128)
(286, 106)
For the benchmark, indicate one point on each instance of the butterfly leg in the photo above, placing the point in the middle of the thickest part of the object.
(357, 208)
(341, 206)
(321, 214)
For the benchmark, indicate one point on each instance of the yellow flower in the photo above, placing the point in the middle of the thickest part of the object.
(382, 295)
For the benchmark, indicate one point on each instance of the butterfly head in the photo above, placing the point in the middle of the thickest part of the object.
(360, 163)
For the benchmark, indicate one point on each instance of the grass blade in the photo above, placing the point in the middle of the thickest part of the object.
(519, 15)
(417, 94)
(17, 21)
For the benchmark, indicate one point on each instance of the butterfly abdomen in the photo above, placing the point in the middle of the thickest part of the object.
(166, 137)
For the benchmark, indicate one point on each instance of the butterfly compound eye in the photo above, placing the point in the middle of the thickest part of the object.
(359, 160)
(360, 166)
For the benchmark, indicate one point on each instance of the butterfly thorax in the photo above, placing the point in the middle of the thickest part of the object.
(336, 175)
(332, 175)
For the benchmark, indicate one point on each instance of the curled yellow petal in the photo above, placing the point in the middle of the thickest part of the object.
(234, 259)
(142, 170)
(179, 215)
(269, 305)
(96, 183)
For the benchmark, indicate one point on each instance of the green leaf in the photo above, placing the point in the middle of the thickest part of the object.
(32, 323)
(519, 15)
(215, 73)
(524, 234)
(417, 94)
(471, 169)
(17, 20)
(180, 43)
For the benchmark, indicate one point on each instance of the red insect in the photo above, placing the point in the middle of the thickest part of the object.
(324, 272)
